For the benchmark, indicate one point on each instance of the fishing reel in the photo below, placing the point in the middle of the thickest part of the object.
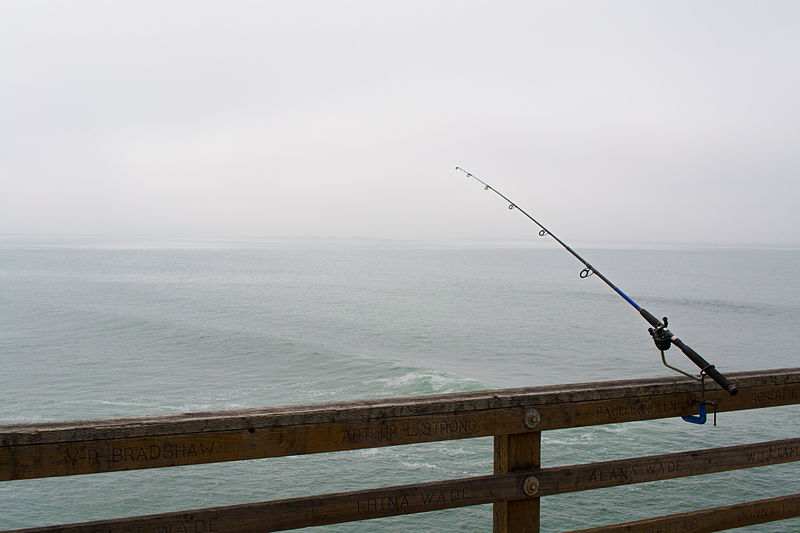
(662, 337)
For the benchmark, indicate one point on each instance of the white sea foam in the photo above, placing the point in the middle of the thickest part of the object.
(420, 466)
(426, 382)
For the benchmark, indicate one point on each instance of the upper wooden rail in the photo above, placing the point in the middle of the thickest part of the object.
(515, 417)
(106, 445)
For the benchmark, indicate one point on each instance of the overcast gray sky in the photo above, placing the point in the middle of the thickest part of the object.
(609, 121)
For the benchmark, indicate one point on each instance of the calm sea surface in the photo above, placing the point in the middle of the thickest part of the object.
(96, 327)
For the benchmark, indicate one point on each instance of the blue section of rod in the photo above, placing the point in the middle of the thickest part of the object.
(627, 299)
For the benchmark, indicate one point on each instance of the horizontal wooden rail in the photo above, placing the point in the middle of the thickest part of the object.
(84, 447)
(423, 497)
(707, 520)
(515, 417)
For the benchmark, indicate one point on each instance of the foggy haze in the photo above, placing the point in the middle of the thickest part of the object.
(609, 121)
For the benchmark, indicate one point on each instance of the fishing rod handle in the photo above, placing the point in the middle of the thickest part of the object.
(708, 369)
(696, 358)
(653, 321)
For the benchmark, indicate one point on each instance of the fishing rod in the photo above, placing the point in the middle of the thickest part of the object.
(662, 337)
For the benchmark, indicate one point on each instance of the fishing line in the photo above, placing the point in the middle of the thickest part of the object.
(662, 337)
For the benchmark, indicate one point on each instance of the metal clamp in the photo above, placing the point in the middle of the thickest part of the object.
(532, 418)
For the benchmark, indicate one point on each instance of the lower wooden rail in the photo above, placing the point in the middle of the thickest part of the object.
(408, 499)
(716, 519)
(44, 450)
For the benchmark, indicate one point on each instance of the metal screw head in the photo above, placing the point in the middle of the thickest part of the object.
(531, 485)
(532, 418)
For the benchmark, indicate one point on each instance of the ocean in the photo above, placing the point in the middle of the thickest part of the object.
(96, 327)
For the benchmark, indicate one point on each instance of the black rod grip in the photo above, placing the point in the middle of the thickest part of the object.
(709, 369)
(653, 321)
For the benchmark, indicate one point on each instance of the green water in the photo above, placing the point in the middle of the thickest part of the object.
(104, 328)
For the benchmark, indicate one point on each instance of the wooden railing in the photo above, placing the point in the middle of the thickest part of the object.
(515, 417)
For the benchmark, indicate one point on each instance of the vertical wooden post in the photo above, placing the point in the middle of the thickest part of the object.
(513, 453)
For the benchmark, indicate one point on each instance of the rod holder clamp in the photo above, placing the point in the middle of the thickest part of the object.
(532, 418)
(531, 485)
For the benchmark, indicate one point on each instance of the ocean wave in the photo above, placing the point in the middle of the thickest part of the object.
(415, 465)
(427, 382)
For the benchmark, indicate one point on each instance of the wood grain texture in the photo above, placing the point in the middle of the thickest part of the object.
(92, 446)
(132, 453)
(423, 497)
(311, 511)
(434, 404)
(564, 479)
(517, 453)
(708, 520)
